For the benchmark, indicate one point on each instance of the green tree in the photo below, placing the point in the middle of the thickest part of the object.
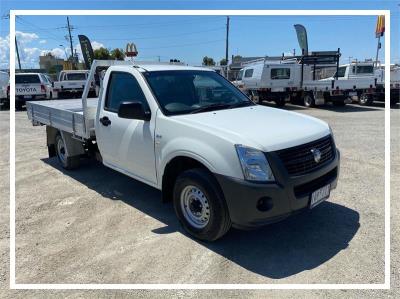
(101, 54)
(223, 61)
(208, 61)
(237, 57)
(117, 54)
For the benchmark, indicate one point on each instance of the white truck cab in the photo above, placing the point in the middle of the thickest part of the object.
(70, 84)
(31, 87)
(221, 159)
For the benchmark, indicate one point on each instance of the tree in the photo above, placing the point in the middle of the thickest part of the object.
(101, 54)
(117, 54)
(237, 57)
(223, 61)
(208, 61)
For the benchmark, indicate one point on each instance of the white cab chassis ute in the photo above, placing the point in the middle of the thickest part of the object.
(70, 84)
(223, 160)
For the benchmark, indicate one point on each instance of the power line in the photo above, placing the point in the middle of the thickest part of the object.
(160, 36)
(184, 45)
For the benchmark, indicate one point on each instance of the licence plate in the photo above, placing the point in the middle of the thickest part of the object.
(352, 93)
(320, 195)
(27, 97)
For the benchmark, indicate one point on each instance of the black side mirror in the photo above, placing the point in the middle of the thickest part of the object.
(52, 84)
(133, 110)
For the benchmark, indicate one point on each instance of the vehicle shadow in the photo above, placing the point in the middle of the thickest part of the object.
(300, 243)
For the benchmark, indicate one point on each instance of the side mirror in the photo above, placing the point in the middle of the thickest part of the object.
(52, 84)
(133, 110)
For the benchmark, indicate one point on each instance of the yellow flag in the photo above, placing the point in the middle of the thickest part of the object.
(380, 26)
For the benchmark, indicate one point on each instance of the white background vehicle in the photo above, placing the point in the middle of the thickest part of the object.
(362, 81)
(187, 131)
(276, 81)
(4, 90)
(70, 84)
(31, 87)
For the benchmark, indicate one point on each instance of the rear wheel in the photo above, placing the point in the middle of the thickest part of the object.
(200, 205)
(18, 106)
(66, 161)
(309, 100)
(365, 99)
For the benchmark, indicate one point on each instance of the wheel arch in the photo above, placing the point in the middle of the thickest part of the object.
(175, 166)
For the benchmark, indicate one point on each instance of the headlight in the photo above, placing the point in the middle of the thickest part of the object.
(254, 164)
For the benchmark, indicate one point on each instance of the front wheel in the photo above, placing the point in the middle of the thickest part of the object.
(200, 205)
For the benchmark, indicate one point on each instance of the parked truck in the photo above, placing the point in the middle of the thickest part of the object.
(31, 87)
(364, 82)
(221, 159)
(294, 80)
(70, 84)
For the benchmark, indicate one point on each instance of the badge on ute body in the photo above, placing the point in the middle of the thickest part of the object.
(317, 154)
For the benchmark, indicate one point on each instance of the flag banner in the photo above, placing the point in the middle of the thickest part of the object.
(302, 37)
(87, 50)
(380, 26)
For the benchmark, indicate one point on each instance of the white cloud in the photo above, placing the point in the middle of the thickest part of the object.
(25, 38)
(42, 41)
(56, 52)
(4, 51)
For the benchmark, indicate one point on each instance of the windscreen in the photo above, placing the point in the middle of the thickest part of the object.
(76, 77)
(180, 92)
(26, 79)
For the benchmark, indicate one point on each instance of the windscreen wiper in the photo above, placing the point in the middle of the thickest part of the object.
(211, 107)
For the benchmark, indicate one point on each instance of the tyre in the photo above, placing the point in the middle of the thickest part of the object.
(200, 205)
(280, 102)
(18, 106)
(51, 96)
(309, 100)
(365, 99)
(65, 161)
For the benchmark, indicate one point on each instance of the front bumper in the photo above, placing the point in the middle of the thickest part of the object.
(288, 195)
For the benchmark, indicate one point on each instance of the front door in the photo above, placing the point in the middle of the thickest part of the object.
(126, 145)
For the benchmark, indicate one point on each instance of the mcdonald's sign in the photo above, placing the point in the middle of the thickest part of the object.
(380, 26)
(131, 50)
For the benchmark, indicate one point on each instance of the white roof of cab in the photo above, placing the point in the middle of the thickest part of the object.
(170, 67)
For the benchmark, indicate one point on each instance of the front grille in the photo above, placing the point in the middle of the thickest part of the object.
(299, 160)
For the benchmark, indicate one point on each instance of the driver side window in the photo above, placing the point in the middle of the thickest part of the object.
(123, 87)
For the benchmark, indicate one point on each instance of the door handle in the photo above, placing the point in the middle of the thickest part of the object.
(105, 121)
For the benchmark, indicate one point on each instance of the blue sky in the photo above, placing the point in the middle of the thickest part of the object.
(189, 38)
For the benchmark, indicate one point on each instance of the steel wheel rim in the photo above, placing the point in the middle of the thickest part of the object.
(61, 150)
(195, 206)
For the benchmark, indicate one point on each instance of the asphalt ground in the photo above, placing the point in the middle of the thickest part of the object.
(94, 225)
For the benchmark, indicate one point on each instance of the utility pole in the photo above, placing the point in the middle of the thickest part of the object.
(70, 40)
(377, 50)
(227, 45)
(16, 48)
